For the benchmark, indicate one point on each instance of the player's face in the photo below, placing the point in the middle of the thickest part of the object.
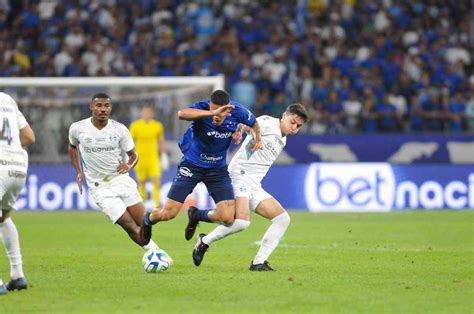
(290, 124)
(101, 109)
(147, 113)
(216, 120)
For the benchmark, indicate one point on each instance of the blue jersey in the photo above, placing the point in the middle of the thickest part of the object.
(204, 144)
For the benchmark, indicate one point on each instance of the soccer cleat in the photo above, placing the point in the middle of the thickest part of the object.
(260, 267)
(17, 284)
(3, 289)
(192, 223)
(199, 250)
(145, 229)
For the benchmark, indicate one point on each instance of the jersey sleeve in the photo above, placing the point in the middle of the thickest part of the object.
(244, 116)
(202, 105)
(73, 135)
(126, 141)
(160, 130)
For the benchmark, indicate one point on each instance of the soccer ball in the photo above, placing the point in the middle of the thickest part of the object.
(156, 261)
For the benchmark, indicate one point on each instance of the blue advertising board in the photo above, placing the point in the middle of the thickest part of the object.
(331, 187)
(393, 148)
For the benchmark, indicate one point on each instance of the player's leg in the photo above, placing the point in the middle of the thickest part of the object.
(141, 175)
(183, 184)
(219, 185)
(241, 222)
(128, 224)
(155, 175)
(271, 209)
(156, 190)
(10, 187)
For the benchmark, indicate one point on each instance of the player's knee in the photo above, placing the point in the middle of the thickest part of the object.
(240, 225)
(227, 219)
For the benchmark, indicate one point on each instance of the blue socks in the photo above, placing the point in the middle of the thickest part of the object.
(201, 215)
(146, 219)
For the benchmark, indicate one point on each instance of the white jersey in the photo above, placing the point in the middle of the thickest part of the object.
(12, 155)
(255, 164)
(100, 150)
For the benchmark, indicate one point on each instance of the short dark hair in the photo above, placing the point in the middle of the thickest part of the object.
(299, 110)
(220, 97)
(100, 95)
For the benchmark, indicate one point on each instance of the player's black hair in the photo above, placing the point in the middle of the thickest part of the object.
(299, 110)
(220, 97)
(101, 95)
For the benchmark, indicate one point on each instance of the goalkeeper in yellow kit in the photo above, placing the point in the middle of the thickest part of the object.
(149, 137)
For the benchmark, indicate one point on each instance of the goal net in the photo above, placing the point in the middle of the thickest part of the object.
(52, 104)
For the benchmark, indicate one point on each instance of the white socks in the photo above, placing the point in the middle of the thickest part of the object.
(12, 246)
(151, 246)
(223, 231)
(272, 237)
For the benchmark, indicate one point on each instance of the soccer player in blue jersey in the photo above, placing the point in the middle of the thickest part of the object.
(204, 146)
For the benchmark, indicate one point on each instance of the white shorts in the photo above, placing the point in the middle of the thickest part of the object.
(115, 196)
(11, 183)
(243, 187)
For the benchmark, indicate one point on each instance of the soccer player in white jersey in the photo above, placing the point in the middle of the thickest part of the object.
(97, 146)
(15, 134)
(247, 169)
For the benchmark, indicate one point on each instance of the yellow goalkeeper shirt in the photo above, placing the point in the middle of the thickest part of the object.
(146, 136)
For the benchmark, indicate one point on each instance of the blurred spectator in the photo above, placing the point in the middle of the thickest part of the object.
(432, 112)
(244, 91)
(334, 114)
(387, 116)
(369, 114)
(456, 113)
(352, 110)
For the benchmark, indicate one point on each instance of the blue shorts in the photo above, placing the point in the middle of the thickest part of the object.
(217, 181)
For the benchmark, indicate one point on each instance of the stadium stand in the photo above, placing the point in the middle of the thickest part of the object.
(358, 66)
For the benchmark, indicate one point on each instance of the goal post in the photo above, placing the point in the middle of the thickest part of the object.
(51, 104)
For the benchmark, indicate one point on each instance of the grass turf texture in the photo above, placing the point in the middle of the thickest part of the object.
(412, 262)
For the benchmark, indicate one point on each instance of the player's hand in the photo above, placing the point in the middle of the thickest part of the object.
(79, 179)
(237, 136)
(123, 167)
(223, 111)
(256, 145)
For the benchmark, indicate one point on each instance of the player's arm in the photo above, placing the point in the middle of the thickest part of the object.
(238, 134)
(124, 167)
(190, 114)
(257, 135)
(27, 136)
(74, 156)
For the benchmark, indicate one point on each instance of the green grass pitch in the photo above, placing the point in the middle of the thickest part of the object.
(411, 262)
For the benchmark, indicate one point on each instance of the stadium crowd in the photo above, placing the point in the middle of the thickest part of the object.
(358, 66)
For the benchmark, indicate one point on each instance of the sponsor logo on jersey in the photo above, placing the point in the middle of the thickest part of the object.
(210, 159)
(16, 174)
(250, 115)
(269, 146)
(185, 172)
(216, 134)
(4, 162)
(98, 149)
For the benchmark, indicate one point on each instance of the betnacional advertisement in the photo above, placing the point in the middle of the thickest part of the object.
(316, 187)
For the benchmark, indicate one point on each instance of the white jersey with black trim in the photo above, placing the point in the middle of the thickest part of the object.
(255, 164)
(100, 149)
(12, 155)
